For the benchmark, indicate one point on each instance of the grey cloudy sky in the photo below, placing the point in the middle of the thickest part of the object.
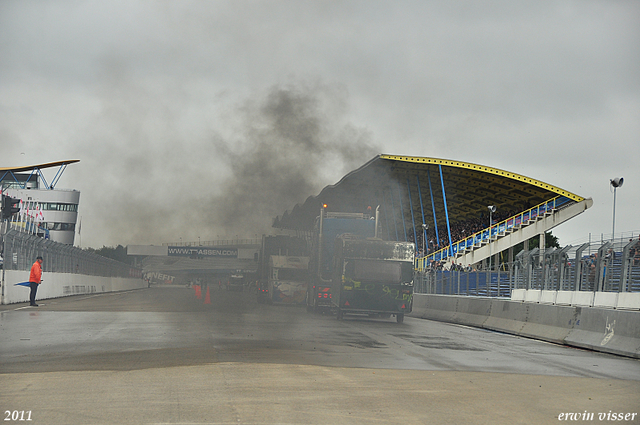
(181, 111)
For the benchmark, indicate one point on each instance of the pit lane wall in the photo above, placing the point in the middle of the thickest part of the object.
(55, 285)
(609, 330)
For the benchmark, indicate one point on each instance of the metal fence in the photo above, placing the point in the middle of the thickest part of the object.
(20, 249)
(611, 266)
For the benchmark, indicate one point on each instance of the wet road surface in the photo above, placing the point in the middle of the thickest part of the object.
(161, 355)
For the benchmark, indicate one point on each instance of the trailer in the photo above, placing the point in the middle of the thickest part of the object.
(372, 277)
(268, 277)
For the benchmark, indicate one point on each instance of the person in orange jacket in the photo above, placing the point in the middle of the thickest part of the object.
(35, 278)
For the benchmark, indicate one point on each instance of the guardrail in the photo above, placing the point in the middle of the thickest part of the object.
(606, 266)
(21, 249)
(493, 232)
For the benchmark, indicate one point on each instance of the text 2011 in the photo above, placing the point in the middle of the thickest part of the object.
(17, 415)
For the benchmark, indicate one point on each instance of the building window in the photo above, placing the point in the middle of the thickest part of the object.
(57, 206)
(59, 226)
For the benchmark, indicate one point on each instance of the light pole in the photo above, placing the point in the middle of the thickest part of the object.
(492, 209)
(424, 235)
(616, 183)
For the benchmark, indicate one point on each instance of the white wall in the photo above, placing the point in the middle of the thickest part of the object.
(56, 285)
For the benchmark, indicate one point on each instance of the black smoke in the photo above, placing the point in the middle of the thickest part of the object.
(290, 144)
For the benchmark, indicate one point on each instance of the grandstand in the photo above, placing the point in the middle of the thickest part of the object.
(443, 206)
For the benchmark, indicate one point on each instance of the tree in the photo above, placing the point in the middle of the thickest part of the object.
(118, 253)
(550, 241)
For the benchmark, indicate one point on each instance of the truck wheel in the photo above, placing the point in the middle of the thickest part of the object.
(308, 303)
(313, 308)
(399, 318)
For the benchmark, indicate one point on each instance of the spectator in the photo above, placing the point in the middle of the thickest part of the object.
(35, 279)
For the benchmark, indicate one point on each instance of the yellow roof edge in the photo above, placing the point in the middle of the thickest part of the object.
(485, 169)
(45, 165)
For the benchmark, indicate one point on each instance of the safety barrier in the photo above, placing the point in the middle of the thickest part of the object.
(56, 285)
(605, 330)
(67, 270)
(617, 300)
(610, 269)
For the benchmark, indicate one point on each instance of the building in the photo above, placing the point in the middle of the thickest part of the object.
(47, 211)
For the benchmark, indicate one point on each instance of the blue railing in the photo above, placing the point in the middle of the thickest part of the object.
(499, 229)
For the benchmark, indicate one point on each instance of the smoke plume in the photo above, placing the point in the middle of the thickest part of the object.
(291, 143)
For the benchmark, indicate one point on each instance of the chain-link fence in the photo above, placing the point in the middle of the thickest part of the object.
(20, 249)
(609, 266)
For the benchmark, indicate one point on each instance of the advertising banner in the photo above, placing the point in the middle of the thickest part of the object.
(202, 251)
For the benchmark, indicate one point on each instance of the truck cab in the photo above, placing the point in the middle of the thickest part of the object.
(330, 225)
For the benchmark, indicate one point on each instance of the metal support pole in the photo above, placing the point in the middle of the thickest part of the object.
(433, 209)
(578, 267)
(446, 211)
(404, 226)
(424, 229)
(413, 221)
(601, 267)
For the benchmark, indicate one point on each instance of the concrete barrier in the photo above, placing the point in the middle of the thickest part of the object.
(507, 316)
(549, 322)
(599, 329)
(564, 297)
(548, 297)
(436, 307)
(607, 330)
(582, 299)
(57, 285)
(605, 299)
(617, 300)
(628, 301)
(472, 310)
(518, 294)
(532, 295)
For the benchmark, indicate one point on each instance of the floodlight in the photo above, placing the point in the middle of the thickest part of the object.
(492, 209)
(424, 242)
(617, 182)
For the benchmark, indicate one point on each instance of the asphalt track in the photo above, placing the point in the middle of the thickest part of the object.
(160, 355)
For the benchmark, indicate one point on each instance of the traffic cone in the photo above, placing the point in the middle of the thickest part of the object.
(198, 292)
(207, 298)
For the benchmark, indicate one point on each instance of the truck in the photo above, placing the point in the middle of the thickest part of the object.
(288, 279)
(235, 283)
(372, 277)
(282, 269)
(328, 226)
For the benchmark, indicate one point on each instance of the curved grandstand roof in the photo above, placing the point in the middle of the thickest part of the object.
(40, 166)
(410, 188)
(36, 170)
